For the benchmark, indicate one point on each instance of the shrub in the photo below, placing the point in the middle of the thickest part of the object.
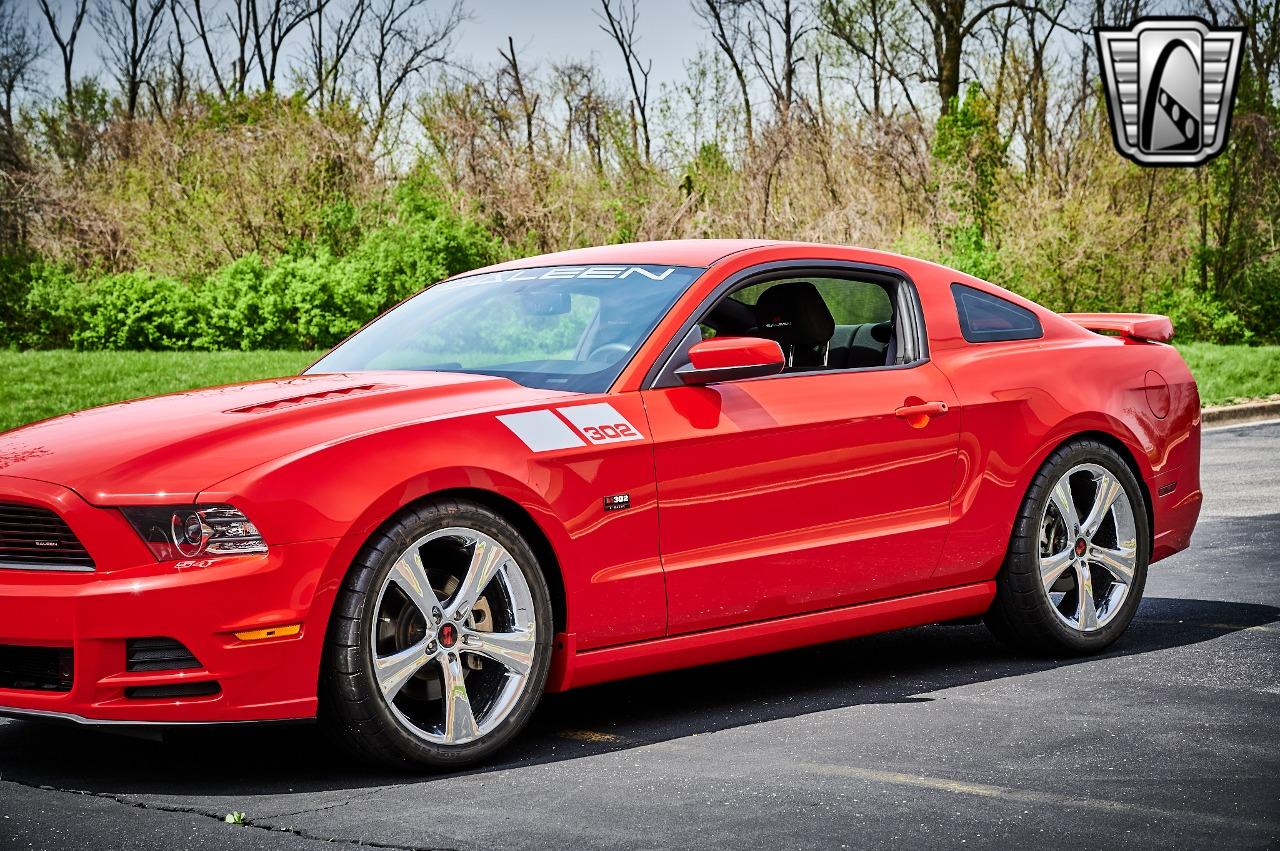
(48, 304)
(1198, 316)
(311, 299)
(15, 282)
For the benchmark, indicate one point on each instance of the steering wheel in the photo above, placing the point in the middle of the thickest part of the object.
(609, 352)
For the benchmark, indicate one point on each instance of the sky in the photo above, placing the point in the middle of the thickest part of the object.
(544, 31)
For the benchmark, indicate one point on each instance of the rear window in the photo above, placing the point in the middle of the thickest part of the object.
(987, 318)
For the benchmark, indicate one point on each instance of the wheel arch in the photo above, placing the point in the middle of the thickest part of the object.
(519, 517)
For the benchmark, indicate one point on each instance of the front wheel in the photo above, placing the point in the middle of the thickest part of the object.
(440, 642)
(1077, 560)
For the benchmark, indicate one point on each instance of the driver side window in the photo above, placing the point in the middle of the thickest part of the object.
(820, 323)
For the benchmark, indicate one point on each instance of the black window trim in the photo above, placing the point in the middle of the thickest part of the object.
(993, 336)
(907, 308)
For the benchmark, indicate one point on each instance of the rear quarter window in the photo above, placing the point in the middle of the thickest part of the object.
(987, 318)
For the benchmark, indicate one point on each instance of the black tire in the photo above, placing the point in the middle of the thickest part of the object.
(1022, 614)
(353, 710)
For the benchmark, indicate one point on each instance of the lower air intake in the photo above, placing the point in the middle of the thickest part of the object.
(35, 668)
(158, 654)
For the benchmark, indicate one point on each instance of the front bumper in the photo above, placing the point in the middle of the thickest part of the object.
(202, 606)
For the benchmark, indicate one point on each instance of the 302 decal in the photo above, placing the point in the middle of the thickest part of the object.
(544, 431)
(618, 431)
(600, 423)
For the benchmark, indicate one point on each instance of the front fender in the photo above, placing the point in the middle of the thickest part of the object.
(609, 560)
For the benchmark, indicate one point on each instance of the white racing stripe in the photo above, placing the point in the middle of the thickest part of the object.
(541, 431)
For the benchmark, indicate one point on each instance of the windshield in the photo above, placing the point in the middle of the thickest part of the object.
(554, 327)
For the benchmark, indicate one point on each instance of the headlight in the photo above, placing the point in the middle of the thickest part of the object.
(195, 531)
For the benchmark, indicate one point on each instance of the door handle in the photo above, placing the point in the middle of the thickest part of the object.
(924, 409)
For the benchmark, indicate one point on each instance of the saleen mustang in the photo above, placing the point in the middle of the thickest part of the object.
(586, 466)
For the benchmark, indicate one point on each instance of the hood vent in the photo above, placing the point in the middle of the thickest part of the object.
(322, 396)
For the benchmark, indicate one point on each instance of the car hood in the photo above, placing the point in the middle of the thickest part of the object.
(169, 448)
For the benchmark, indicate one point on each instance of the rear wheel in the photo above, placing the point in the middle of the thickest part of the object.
(441, 640)
(1077, 560)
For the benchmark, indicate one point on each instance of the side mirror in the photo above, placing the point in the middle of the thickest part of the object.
(730, 358)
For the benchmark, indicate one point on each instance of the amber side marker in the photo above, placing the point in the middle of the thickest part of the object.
(274, 632)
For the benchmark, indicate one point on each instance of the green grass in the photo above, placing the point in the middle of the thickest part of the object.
(36, 385)
(1229, 373)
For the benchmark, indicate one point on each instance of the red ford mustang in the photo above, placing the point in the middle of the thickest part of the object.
(586, 466)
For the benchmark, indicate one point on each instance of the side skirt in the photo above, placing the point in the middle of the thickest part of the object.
(572, 669)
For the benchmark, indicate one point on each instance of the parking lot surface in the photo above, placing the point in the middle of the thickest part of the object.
(931, 737)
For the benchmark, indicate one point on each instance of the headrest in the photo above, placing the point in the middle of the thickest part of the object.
(794, 314)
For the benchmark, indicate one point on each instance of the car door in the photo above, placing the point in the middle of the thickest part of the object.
(801, 492)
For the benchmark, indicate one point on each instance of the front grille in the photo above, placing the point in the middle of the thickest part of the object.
(174, 691)
(35, 668)
(35, 538)
(158, 654)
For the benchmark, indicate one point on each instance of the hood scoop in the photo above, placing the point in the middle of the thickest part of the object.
(309, 398)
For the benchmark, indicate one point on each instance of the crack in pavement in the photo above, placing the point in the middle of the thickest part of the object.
(248, 822)
(339, 805)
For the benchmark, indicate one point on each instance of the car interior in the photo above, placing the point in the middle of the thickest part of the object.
(820, 323)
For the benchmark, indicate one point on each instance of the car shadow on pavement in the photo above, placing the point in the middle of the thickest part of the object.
(897, 667)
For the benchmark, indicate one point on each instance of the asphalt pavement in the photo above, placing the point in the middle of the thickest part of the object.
(934, 737)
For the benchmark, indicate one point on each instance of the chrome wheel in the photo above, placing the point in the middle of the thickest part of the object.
(1088, 547)
(454, 636)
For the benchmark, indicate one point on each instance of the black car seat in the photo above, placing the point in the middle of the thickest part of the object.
(860, 346)
(796, 316)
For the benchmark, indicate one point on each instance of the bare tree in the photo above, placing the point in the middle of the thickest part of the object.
(620, 24)
(20, 50)
(176, 70)
(1261, 19)
(723, 20)
(874, 32)
(528, 101)
(273, 23)
(240, 21)
(585, 104)
(330, 40)
(66, 43)
(775, 32)
(397, 49)
(950, 24)
(1035, 102)
(129, 30)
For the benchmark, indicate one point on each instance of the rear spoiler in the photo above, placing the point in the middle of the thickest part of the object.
(1135, 326)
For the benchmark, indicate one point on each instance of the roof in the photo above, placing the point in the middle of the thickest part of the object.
(674, 252)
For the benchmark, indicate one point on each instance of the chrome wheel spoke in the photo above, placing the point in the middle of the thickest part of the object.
(512, 650)
(1120, 563)
(1051, 567)
(459, 720)
(1109, 489)
(486, 557)
(410, 577)
(1061, 498)
(1111, 547)
(1086, 611)
(393, 671)
(415, 631)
